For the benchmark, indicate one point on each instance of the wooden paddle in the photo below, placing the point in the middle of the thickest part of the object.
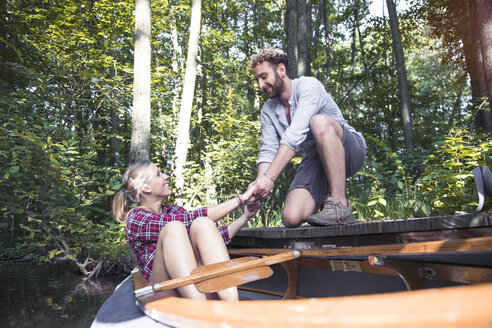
(213, 277)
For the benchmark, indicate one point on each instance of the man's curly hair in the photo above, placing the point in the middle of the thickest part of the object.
(271, 55)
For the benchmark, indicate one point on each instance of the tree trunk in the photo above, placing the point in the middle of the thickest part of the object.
(361, 41)
(327, 43)
(456, 113)
(211, 196)
(474, 62)
(484, 10)
(188, 92)
(406, 111)
(114, 142)
(140, 140)
(302, 39)
(177, 64)
(316, 31)
(473, 57)
(291, 30)
(309, 23)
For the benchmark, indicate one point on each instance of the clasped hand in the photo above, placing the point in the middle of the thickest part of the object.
(263, 186)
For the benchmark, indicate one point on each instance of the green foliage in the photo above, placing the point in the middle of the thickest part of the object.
(54, 196)
(385, 188)
(55, 169)
(447, 184)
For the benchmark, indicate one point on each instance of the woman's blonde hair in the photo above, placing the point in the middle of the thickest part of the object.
(134, 177)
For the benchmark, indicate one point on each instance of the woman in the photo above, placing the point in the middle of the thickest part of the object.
(168, 241)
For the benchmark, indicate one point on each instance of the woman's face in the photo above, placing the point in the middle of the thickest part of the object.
(159, 182)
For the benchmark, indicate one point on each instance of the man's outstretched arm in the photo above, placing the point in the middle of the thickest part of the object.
(268, 172)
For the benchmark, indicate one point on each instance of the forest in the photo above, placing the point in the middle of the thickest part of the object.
(415, 79)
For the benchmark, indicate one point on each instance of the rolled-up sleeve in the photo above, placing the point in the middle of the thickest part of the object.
(269, 139)
(308, 104)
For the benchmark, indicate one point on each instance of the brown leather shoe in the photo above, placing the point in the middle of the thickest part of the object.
(333, 212)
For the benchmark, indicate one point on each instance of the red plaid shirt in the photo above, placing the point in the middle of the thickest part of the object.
(143, 227)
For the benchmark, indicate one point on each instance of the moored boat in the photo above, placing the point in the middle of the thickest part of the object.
(377, 273)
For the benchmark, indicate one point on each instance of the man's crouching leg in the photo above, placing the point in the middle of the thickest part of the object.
(299, 204)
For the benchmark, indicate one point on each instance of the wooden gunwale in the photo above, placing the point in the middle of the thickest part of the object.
(444, 307)
(479, 244)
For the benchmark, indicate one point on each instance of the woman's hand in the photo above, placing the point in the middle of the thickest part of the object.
(248, 196)
(251, 208)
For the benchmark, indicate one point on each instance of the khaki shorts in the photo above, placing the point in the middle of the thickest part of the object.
(310, 174)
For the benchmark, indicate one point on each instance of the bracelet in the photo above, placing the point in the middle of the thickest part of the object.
(240, 199)
(269, 178)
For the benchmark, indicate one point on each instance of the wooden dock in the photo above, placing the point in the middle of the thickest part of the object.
(383, 232)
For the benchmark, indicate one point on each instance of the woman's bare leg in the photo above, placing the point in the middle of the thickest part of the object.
(159, 272)
(209, 247)
(174, 258)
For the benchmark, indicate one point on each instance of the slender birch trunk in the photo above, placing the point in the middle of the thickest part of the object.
(183, 129)
(140, 142)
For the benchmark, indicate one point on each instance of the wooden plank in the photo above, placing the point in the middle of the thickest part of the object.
(454, 222)
(480, 244)
(443, 307)
(290, 268)
(268, 292)
(363, 239)
(344, 265)
(412, 237)
(138, 279)
(414, 273)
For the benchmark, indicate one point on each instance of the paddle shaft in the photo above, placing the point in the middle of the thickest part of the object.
(194, 278)
(215, 272)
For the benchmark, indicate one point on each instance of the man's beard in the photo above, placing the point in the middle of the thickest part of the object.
(277, 87)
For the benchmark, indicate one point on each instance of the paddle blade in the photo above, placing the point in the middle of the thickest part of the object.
(234, 279)
(219, 265)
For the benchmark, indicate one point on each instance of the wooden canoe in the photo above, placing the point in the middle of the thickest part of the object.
(464, 305)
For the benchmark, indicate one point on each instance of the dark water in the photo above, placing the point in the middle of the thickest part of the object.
(46, 295)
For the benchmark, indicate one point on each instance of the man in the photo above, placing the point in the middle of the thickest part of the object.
(302, 115)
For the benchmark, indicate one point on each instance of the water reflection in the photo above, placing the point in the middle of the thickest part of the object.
(50, 296)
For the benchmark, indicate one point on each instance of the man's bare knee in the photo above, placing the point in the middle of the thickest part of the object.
(322, 125)
(291, 221)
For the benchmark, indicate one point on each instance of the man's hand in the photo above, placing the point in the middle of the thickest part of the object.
(263, 186)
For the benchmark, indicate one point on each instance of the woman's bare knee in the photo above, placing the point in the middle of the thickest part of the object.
(173, 229)
(200, 226)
